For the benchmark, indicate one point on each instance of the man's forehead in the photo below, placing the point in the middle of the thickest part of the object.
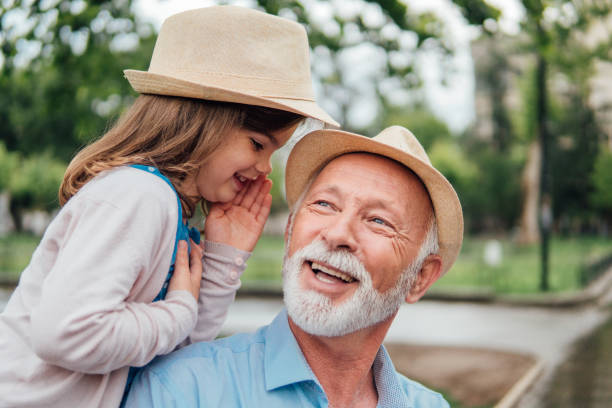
(361, 160)
(386, 172)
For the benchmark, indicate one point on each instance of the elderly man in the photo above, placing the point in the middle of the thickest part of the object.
(373, 224)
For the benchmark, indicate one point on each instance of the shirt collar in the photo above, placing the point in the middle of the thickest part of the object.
(387, 382)
(284, 362)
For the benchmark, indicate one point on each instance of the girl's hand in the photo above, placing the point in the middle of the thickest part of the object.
(187, 272)
(239, 223)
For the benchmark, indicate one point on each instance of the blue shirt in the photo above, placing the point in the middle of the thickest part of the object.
(261, 369)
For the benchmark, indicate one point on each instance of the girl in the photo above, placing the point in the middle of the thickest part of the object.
(226, 87)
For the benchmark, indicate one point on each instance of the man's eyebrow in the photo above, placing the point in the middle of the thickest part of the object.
(386, 205)
(328, 188)
(379, 203)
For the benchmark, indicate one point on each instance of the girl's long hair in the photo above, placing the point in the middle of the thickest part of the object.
(173, 134)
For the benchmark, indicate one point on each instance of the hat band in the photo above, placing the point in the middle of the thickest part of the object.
(252, 85)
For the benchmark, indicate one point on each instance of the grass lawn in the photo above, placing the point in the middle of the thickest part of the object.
(517, 273)
(15, 253)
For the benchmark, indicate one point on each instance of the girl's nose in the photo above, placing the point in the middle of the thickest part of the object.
(264, 165)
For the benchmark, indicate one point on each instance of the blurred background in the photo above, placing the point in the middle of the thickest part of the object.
(512, 99)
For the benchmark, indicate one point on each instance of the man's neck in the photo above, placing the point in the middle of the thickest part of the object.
(343, 365)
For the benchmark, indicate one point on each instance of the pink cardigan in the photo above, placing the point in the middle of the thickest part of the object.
(82, 312)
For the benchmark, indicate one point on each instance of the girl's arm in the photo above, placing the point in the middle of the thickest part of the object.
(231, 231)
(223, 266)
(113, 249)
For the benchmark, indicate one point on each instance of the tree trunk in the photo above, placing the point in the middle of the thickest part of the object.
(545, 196)
(530, 181)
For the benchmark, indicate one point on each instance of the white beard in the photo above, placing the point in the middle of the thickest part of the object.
(316, 314)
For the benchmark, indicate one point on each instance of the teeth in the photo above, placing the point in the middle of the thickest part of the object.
(242, 178)
(323, 278)
(337, 274)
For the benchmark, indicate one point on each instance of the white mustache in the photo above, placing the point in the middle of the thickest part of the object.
(340, 259)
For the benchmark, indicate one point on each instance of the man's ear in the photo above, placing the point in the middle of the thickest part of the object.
(429, 273)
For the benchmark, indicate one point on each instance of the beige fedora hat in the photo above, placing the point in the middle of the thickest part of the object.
(232, 54)
(320, 147)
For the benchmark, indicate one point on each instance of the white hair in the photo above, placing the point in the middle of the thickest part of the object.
(316, 313)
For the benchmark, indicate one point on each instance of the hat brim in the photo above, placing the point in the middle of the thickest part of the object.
(320, 147)
(151, 83)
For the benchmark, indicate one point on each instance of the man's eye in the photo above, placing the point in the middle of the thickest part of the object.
(322, 203)
(258, 146)
(379, 221)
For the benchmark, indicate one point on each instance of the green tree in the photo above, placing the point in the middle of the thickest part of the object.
(61, 61)
(491, 197)
(422, 123)
(601, 196)
(364, 53)
(577, 140)
(61, 74)
(554, 34)
(8, 165)
(35, 185)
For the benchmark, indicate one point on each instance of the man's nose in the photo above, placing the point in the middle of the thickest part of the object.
(340, 232)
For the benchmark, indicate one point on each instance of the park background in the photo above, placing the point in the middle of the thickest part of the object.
(511, 99)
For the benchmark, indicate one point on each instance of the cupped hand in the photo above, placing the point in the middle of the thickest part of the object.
(187, 269)
(239, 223)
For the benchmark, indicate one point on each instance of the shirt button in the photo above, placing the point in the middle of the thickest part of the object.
(238, 261)
(234, 275)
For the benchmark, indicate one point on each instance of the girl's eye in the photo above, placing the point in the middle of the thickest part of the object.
(258, 146)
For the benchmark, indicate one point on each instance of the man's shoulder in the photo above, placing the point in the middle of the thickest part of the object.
(419, 395)
(218, 352)
(216, 374)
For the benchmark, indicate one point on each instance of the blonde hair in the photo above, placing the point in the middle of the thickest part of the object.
(174, 134)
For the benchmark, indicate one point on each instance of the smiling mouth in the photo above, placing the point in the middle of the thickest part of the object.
(241, 181)
(328, 275)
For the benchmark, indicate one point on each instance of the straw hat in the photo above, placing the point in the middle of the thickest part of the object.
(232, 54)
(318, 148)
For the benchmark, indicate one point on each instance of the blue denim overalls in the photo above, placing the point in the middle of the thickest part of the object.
(183, 232)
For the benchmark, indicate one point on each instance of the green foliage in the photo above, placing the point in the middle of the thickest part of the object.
(278, 178)
(449, 159)
(8, 165)
(601, 197)
(553, 33)
(66, 94)
(493, 71)
(577, 141)
(266, 263)
(517, 272)
(346, 32)
(421, 122)
(476, 11)
(491, 196)
(15, 253)
(37, 182)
